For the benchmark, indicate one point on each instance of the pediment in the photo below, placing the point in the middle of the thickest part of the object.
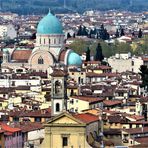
(64, 118)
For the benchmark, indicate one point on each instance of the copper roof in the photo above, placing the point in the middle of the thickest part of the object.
(62, 55)
(21, 55)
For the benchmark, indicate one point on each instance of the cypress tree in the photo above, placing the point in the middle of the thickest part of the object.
(117, 33)
(122, 32)
(99, 56)
(79, 31)
(140, 33)
(68, 35)
(144, 76)
(88, 54)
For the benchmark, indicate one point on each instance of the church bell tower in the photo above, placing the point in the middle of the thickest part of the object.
(58, 91)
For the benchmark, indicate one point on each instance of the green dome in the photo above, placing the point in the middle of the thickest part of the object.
(49, 24)
(74, 59)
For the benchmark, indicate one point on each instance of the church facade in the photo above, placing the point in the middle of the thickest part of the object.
(49, 49)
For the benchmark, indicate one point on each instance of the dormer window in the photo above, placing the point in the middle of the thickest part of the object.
(40, 60)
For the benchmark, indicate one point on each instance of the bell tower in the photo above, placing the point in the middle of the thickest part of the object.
(58, 91)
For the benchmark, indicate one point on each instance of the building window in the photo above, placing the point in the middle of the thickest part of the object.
(54, 41)
(65, 141)
(44, 41)
(40, 40)
(57, 107)
(49, 41)
(37, 119)
(132, 63)
(40, 60)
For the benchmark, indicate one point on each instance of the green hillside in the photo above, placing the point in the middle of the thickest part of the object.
(42, 6)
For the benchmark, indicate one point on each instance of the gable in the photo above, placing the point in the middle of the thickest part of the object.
(66, 120)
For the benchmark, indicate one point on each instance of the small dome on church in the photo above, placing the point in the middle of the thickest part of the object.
(74, 59)
(49, 24)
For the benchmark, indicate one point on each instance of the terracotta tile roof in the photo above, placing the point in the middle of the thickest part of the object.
(21, 55)
(92, 62)
(92, 74)
(90, 99)
(112, 132)
(112, 102)
(28, 126)
(38, 113)
(86, 118)
(142, 140)
(58, 73)
(144, 145)
(145, 59)
(72, 86)
(136, 130)
(136, 117)
(8, 128)
(102, 67)
(116, 119)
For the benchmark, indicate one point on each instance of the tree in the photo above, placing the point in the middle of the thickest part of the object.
(68, 35)
(84, 31)
(99, 56)
(140, 33)
(144, 76)
(90, 33)
(117, 33)
(133, 34)
(88, 54)
(79, 31)
(104, 35)
(74, 35)
(122, 32)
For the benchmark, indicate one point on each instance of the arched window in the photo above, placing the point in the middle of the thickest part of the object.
(40, 60)
(58, 87)
(57, 107)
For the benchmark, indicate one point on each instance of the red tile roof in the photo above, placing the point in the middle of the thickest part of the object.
(89, 99)
(142, 140)
(86, 118)
(112, 102)
(8, 128)
(136, 130)
(58, 73)
(29, 126)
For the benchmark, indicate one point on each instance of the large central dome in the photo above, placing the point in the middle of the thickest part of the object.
(49, 24)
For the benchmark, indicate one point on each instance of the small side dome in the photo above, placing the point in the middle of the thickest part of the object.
(49, 24)
(74, 59)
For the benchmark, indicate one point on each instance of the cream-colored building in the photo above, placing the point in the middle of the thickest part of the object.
(79, 103)
(124, 62)
(7, 32)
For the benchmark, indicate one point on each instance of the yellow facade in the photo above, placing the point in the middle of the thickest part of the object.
(65, 127)
(3, 104)
(78, 105)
